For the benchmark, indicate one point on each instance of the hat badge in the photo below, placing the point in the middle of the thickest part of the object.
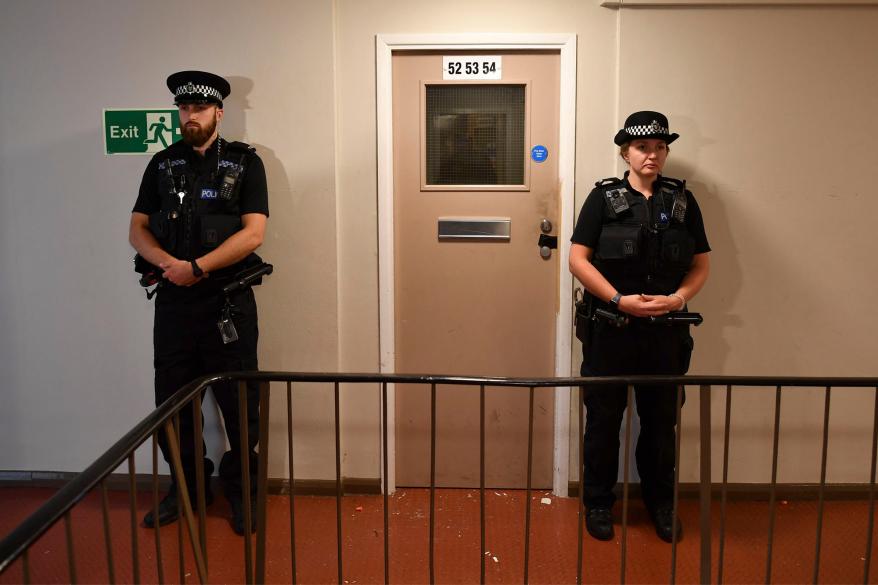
(654, 126)
(190, 87)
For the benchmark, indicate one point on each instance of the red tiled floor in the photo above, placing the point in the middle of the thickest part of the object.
(457, 555)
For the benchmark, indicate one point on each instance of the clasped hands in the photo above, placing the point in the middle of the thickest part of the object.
(180, 273)
(642, 305)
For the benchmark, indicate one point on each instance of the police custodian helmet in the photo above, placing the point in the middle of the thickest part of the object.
(198, 87)
(645, 124)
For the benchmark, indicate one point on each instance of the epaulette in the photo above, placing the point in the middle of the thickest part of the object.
(236, 155)
(608, 181)
(239, 147)
(671, 183)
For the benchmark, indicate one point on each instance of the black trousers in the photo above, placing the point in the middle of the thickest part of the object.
(187, 345)
(638, 349)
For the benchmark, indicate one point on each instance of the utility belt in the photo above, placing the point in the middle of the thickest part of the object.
(590, 310)
(151, 275)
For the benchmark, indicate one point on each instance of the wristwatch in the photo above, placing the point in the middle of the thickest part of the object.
(196, 270)
(615, 300)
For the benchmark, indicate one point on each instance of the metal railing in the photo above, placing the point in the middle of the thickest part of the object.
(166, 419)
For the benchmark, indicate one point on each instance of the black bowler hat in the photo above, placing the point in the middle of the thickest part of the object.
(198, 87)
(645, 125)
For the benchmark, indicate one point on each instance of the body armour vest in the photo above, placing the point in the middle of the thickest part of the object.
(644, 246)
(199, 210)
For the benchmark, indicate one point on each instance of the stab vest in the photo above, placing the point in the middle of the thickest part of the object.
(210, 209)
(644, 246)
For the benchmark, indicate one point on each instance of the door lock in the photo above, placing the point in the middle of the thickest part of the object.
(546, 226)
(547, 244)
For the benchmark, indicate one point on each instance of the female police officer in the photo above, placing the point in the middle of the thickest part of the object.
(640, 250)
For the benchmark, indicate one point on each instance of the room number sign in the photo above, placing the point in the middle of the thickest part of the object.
(460, 67)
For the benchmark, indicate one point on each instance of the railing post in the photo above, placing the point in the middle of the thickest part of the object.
(200, 480)
(822, 489)
(244, 441)
(705, 485)
(155, 508)
(725, 488)
(772, 493)
(184, 501)
(338, 486)
(580, 505)
(108, 539)
(292, 481)
(482, 480)
(71, 556)
(386, 486)
(25, 568)
(262, 480)
(432, 522)
(132, 505)
(530, 458)
(871, 523)
(623, 560)
(678, 425)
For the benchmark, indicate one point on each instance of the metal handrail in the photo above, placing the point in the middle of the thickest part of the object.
(25, 534)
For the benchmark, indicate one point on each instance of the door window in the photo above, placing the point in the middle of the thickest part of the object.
(475, 135)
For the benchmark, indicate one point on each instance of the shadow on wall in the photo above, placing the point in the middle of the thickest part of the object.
(234, 127)
(724, 285)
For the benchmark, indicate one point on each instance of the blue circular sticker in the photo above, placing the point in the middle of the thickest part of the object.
(539, 153)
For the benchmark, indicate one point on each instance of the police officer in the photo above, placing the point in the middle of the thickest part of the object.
(640, 250)
(199, 217)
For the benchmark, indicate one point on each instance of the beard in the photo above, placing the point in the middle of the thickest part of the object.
(196, 135)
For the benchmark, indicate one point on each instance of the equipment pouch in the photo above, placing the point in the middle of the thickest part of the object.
(158, 225)
(216, 229)
(678, 249)
(582, 316)
(619, 242)
(687, 344)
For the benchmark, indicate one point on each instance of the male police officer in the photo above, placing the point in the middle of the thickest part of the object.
(200, 214)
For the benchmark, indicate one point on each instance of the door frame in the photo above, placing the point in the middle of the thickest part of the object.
(385, 46)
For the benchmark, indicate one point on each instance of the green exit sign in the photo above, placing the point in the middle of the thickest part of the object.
(140, 131)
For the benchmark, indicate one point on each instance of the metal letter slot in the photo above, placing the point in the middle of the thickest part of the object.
(475, 228)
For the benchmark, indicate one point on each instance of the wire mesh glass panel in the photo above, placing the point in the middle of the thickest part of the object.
(475, 134)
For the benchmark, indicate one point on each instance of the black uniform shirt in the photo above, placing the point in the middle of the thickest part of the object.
(252, 193)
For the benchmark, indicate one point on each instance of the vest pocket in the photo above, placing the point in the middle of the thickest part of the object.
(619, 242)
(158, 224)
(216, 229)
(678, 249)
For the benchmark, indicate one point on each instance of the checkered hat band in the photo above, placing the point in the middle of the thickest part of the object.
(643, 130)
(205, 90)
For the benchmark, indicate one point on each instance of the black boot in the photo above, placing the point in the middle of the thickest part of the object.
(168, 511)
(168, 507)
(663, 518)
(599, 522)
(238, 515)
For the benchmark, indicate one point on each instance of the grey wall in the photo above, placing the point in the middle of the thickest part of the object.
(76, 349)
